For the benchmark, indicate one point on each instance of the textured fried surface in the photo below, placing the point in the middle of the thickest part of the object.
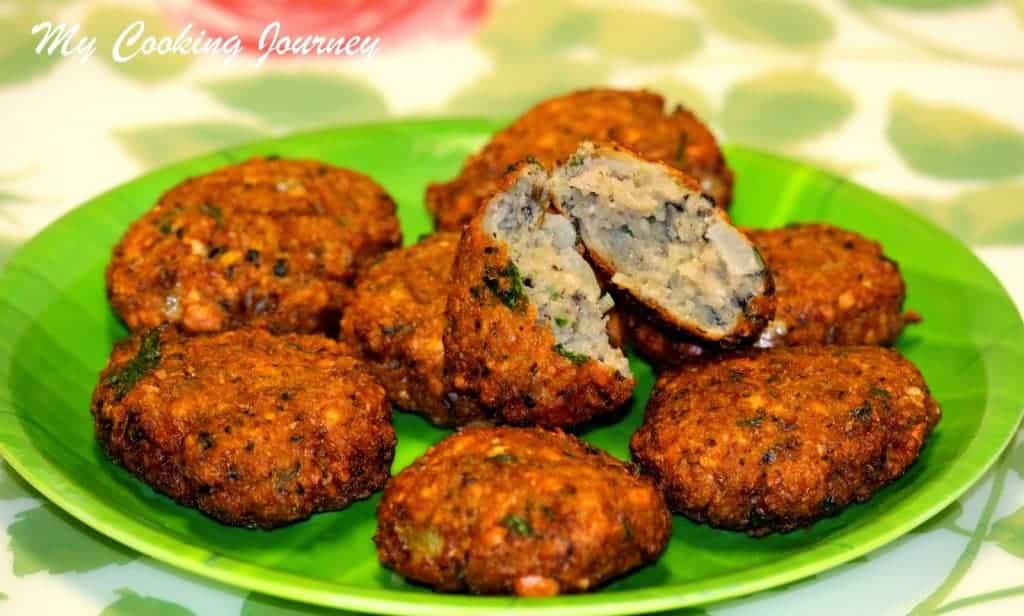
(552, 130)
(251, 429)
(774, 440)
(657, 343)
(518, 510)
(396, 318)
(270, 243)
(832, 286)
(501, 356)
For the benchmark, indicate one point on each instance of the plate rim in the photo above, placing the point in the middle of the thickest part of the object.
(33, 466)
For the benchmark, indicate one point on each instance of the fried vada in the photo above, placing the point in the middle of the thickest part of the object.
(832, 286)
(521, 511)
(269, 243)
(252, 429)
(652, 234)
(396, 319)
(527, 320)
(774, 440)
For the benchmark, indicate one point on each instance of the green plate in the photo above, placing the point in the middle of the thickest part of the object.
(57, 330)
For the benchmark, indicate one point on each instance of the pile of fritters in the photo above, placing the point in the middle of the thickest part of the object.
(594, 219)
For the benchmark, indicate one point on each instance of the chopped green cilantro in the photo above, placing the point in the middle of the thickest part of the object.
(146, 358)
(502, 458)
(576, 358)
(861, 412)
(517, 525)
(213, 212)
(506, 284)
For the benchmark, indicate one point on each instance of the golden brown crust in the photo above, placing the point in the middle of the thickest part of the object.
(499, 355)
(396, 318)
(775, 440)
(659, 345)
(251, 429)
(551, 131)
(518, 511)
(268, 243)
(832, 286)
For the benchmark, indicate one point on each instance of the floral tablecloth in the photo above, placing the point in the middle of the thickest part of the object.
(920, 99)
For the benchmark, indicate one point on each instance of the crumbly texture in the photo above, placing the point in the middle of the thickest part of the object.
(251, 429)
(832, 286)
(552, 130)
(647, 227)
(771, 441)
(520, 511)
(527, 358)
(268, 243)
(555, 278)
(396, 319)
